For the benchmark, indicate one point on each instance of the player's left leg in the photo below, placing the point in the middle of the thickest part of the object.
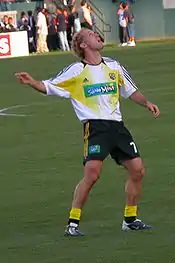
(126, 153)
(135, 169)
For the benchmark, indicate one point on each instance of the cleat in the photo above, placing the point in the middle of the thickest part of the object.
(72, 230)
(136, 225)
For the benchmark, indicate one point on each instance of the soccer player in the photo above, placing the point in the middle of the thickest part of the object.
(94, 87)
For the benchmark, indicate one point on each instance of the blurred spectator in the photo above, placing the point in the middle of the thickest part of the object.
(66, 14)
(71, 16)
(70, 24)
(62, 27)
(65, 2)
(93, 18)
(11, 27)
(71, 3)
(52, 40)
(46, 13)
(26, 27)
(23, 17)
(32, 24)
(129, 16)
(123, 32)
(41, 32)
(77, 24)
(5, 20)
(1, 28)
(84, 15)
(4, 23)
(31, 19)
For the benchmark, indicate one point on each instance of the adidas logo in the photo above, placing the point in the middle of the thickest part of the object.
(85, 80)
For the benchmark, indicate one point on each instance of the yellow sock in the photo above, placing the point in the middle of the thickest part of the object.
(130, 211)
(75, 214)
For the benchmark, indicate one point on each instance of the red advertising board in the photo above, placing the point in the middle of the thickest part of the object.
(5, 46)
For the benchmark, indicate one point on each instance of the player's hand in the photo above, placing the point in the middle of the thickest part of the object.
(24, 78)
(153, 108)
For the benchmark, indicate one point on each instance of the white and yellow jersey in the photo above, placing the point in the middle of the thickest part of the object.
(94, 90)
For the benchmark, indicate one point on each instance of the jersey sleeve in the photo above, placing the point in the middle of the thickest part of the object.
(68, 73)
(126, 84)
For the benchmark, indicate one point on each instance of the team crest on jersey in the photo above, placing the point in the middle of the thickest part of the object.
(100, 89)
(85, 80)
(112, 76)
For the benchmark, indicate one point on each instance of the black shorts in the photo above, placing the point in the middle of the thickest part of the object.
(103, 138)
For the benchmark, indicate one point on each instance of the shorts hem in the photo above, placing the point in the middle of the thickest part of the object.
(93, 158)
(120, 162)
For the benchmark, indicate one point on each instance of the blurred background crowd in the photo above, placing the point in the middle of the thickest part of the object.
(49, 31)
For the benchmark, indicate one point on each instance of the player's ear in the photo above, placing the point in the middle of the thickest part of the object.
(83, 45)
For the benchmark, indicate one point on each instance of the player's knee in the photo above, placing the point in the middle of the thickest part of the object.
(92, 173)
(138, 173)
(135, 169)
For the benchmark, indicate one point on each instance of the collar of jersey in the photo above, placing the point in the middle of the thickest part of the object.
(84, 63)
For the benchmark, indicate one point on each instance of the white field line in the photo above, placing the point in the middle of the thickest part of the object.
(13, 115)
(3, 111)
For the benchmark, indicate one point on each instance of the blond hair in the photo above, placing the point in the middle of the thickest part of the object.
(76, 42)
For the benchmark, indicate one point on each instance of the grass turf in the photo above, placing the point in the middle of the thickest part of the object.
(41, 161)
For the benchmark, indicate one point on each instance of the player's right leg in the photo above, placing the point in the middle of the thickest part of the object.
(92, 171)
(96, 144)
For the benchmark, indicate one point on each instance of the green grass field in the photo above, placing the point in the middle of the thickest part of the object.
(41, 162)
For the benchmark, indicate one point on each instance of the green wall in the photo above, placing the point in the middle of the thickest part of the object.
(169, 16)
(24, 6)
(109, 10)
(149, 19)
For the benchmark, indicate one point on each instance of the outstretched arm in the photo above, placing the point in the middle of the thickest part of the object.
(139, 98)
(26, 79)
(61, 85)
(129, 90)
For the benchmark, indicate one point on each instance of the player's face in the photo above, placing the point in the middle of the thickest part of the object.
(92, 40)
